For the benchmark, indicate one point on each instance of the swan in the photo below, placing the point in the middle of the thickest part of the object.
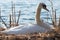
(40, 26)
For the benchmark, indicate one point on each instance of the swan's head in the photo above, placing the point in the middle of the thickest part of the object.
(42, 5)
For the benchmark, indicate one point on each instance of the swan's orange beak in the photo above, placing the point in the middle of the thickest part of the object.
(46, 9)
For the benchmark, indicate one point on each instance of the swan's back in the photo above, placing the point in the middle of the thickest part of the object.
(26, 29)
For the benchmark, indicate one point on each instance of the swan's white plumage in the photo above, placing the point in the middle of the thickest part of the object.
(26, 29)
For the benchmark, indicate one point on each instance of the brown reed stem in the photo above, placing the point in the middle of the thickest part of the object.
(18, 17)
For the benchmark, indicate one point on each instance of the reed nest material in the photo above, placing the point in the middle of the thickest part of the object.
(34, 36)
(12, 24)
(2, 29)
(52, 35)
(57, 29)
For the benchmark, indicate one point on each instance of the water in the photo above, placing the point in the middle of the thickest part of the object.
(28, 9)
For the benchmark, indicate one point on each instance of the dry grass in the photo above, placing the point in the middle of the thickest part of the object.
(34, 36)
(2, 29)
(52, 35)
(12, 24)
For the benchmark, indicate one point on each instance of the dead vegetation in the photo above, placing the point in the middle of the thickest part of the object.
(53, 35)
(2, 29)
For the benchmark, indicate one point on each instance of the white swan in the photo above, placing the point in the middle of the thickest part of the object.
(31, 28)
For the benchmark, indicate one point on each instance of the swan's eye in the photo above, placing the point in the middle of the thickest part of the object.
(44, 6)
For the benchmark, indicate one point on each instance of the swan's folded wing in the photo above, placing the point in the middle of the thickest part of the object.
(47, 26)
(25, 29)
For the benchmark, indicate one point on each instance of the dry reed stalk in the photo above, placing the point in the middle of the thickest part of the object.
(13, 23)
(18, 17)
(10, 20)
(13, 13)
(53, 14)
(54, 17)
(52, 11)
(2, 29)
(59, 22)
(2, 19)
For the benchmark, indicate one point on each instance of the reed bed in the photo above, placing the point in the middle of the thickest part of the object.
(2, 29)
(52, 35)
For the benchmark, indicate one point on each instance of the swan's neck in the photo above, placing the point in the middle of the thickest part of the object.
(38, 20)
